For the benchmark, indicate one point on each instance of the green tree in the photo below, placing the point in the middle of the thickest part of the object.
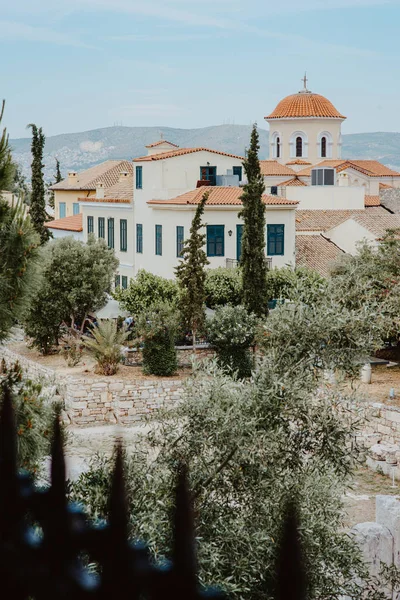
(157, 329)
(191, 273)
(7, 167)
(145, 290)
(105, 346)
(253, 261)
(57, 179)
(76, 279)
(223, 286)
(38, 202)
(20, 188)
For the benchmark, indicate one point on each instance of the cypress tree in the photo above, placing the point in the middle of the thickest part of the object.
(7, 167)
(57, 179)
(253, 260)
(191, 273)
(38, 203)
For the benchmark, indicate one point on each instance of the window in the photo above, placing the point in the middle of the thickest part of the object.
(139, 238)
(179, 239)
(215, 240)
(278, 147)
(75, 208)
(124, 282)
(323, 147)
(238, 171)
(323, 176)
(63, 210)
(90, 225)
(239, 235)
(101, 227)
(123, 235)
(275, 240)
(299, 146)
(110, 232)
(139, 178)
(208, 174)
(159, 240)
(117, 281)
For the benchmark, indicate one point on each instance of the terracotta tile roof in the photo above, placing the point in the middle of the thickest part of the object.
(372, 168)
(181, 152)
(378, 224)
(160, 142)
(316, 252)
(372, 201)
(220, 195)
(323, 220)
(67, 223)
(385, 186)
(305, 104)
(105, 200)
(298, 161)
(106, 172)
(293, 182)
(273, 167)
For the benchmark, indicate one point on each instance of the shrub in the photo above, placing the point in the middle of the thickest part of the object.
(157, 328)
(105, 346)
(72, 350)
(231, 331)
(146, 290)
(292, 284)
(223, 286)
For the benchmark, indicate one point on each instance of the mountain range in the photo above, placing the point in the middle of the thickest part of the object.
(78, 151)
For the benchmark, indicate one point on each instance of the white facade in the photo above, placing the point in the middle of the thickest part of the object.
(349, 234)
(61, 233)
(328, 197)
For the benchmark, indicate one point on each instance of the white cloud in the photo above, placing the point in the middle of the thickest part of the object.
(14, 31)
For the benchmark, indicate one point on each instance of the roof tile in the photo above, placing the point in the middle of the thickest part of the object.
(181, 152)
(273, 167)
(317, 253)
(305, 104)
(67, 223)
(323, 220)
(220, 195)
(107, 173)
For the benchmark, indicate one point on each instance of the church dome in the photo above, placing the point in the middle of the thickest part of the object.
(305, 104)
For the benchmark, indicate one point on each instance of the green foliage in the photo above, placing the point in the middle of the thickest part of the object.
(57, 179)
(72, 349)
(7, 167)
(145, 290)
(231, 331)
(20, 188)
(157, 328)
(105, 346)
(18, 265)
(191, 273)
(295, 284)
(33, 417)
(253, 261)
(38, 202)
(76, 278)
(223, 286)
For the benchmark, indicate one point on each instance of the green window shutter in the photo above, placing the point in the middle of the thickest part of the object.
(275, 240)
(139, 178)
(180, 232)
(123, 231)
(117, 281)
(75, 208)
(215, 240)
(238, 171)
(110, 231)
(139, 238)
(62, 210)
(90, 225)
(159, 240)
(124, 282)
(239, 235)
(101, 226)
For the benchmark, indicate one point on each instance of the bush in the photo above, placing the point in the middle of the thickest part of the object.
(157, 328)
(294, 284)
(231, 331)
(105, 346)
(146, 290)
(223, 286)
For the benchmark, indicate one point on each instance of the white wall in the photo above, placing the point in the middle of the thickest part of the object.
(333, 197)
(61, 233)
(170, 217)
(347, 235)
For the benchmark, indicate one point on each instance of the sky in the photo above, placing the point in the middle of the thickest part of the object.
(76, 65)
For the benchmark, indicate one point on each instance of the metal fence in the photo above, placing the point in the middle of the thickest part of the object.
(45, 542)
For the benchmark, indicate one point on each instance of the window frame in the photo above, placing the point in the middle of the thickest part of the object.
(324, 145)
(75, 208)
(90, 225)
(123, 235)
(101, 228)
(117, 282)
(64, 206)
(213, 239)
(139, 177)
(110, 232)
(124, 282)
(139, 238)
(240, 169)
(158, 240)
(299, 146)
(180, 240)
(273, 239)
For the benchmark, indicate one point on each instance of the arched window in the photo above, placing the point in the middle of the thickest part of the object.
(278, 147)
(323, 147)
(299, 147)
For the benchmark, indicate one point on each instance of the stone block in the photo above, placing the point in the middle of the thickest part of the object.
(104, 396)
(384, 451)
(116, 386)
(392, 415)
(376, 544)
(388, 515)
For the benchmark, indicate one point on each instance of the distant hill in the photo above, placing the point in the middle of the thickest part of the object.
(82, 150)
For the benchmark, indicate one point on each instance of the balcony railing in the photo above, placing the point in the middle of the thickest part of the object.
(232, 263)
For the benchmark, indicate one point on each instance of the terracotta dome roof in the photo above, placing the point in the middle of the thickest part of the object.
(305, 104)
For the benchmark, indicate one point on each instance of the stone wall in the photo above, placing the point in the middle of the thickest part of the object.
(89, 400)
(391, 199)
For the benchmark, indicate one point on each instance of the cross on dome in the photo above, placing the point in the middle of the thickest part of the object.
(304, 79)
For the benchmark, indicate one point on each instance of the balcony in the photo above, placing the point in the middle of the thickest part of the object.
(231, 263)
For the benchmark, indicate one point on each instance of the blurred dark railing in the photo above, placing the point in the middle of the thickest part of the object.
(46, 543)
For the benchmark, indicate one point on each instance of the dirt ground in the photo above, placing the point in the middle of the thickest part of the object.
(86, 366)
(383, 378)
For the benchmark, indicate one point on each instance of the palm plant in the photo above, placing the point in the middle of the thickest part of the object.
(105, 346)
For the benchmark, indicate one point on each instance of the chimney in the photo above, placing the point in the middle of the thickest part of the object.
(100, 190)
(123, 176)
(343, 180)
(72, 177)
